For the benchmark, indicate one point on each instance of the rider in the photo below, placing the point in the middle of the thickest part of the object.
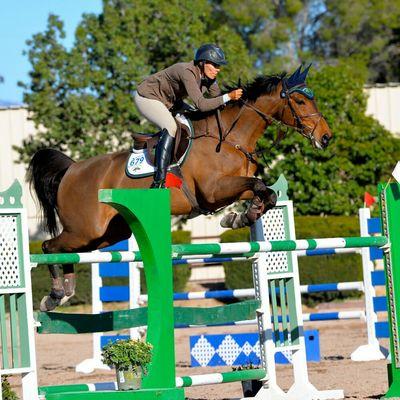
(158, 93)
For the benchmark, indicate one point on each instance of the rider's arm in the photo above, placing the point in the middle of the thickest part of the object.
(194, 93)
(214, 90)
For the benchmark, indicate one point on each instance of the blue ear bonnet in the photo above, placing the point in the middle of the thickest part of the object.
(297, 83)
(304, 90)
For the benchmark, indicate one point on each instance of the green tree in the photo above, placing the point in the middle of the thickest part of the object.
(269, 29)
(81, 99)
(363, 29)
(361, 153)
(283, 33)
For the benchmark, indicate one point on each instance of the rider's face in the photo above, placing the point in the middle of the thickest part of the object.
(211, 70)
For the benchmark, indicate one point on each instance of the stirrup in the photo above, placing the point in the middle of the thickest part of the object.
(158, 184)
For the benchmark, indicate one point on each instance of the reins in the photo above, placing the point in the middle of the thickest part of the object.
(300, 126)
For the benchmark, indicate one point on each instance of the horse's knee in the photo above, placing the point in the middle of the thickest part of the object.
(46, 248)
(259, 186)
(255, 209)
(52, 245)
(262, 202)
(270, 199)
(265, 193)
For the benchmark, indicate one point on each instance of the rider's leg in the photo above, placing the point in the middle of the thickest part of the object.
(163, 158)
(157, 113)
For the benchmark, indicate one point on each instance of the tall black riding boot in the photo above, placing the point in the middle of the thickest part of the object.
(163, 158)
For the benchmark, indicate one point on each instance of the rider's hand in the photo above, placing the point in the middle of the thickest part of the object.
(236, 94)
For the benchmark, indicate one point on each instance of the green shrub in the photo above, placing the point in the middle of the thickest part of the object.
(330, 269)
(236, 235)
(126, 354)
(6, 391)
(315, 269)
(181, 273)
(332, 226)
(238, 274)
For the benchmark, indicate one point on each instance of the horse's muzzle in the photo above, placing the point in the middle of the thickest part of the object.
(325, 140)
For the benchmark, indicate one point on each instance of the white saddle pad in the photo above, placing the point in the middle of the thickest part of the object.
(139, 164)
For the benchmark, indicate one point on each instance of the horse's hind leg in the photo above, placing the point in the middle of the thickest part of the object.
(62, 287)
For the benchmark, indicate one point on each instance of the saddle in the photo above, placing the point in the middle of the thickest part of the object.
(141, 160)
(184, 134)
(149, 142)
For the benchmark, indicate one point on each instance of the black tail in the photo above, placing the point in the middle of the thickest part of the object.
(45, 172)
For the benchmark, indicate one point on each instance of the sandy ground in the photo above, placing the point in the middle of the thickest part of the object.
(57, 356)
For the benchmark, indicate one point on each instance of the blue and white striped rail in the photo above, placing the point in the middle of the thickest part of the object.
(327, 252)
(301, 253)
(235, 293)
(328, 316)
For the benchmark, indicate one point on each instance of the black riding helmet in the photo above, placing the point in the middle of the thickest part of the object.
(211, 53)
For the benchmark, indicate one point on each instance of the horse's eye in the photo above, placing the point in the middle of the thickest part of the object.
(299, 101)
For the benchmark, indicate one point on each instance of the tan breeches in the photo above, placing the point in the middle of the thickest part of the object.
(156, 113)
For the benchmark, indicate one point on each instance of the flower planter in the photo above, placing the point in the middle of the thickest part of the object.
(129, 379)
(130, 359)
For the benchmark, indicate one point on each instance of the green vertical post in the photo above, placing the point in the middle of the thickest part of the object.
(389, 196)
(16, 292)
(148, 215)
(3, 330)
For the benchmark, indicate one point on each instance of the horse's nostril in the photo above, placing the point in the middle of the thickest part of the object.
(325, 140)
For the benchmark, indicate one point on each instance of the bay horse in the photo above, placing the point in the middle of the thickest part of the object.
(218, 171)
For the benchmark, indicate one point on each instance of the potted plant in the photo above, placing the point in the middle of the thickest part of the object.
(252, 387)
(130, 358)
(7, 392)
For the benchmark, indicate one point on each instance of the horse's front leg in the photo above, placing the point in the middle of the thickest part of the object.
(262, 200)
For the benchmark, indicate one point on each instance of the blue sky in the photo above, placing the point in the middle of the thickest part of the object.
(19, 20)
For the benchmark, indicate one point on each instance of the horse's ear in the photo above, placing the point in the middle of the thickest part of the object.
(304, 74)
(298, 77)
(293, 79)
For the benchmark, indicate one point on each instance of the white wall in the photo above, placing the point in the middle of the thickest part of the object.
(384, 105)
(14, 127)
(205, 228)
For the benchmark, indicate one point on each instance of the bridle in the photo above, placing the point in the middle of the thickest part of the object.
(303, 129)
(286, 92)
(300, 127)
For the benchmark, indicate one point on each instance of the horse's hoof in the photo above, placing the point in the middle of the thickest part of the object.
(228, 220)
(66, 298)
(234, 221)
(49, 303)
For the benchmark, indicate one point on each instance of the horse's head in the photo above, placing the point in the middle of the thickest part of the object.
(300, 111)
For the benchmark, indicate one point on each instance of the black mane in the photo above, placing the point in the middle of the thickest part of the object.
(263, 84)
